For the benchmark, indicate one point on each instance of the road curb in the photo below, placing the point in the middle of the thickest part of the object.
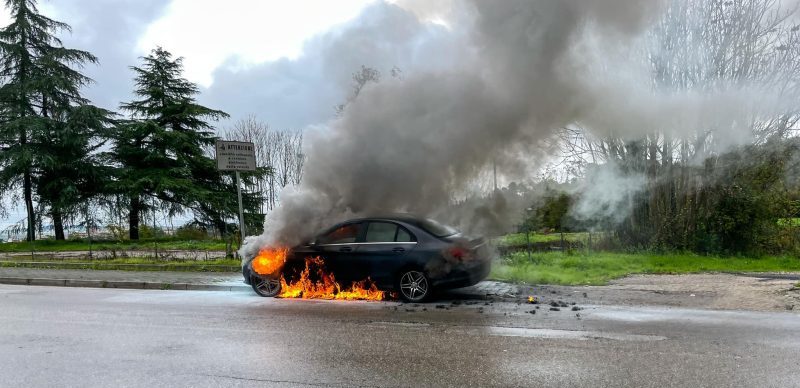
(133, 285)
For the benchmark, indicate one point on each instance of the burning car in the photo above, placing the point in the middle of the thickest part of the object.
(369, 257)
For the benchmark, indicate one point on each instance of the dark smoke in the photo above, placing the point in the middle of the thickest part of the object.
(407, 145)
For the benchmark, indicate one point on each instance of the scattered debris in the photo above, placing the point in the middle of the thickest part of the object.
(552, 291)
(456, 302)
(576, 308)
(424, 309)
(555, 309)
(584, 295)
(441, 306)
(578, 316)
(410, 310)
(532, 312)
(554, 303)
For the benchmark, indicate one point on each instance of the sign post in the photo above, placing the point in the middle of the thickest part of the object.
(236, 156)
(241, 208)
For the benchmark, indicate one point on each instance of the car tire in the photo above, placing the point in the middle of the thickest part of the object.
(414, 285)
(266, 287)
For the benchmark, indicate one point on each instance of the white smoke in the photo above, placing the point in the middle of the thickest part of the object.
(607, 194)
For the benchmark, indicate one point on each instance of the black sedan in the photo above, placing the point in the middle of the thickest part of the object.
(405, 254)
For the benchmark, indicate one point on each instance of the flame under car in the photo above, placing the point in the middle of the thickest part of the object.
(409, 256)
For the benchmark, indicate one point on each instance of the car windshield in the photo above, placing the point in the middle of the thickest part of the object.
(437, 229)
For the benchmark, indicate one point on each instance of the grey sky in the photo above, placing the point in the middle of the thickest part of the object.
(291, 92)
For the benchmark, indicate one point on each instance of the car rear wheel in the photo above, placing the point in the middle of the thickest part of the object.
(414, 286)
(265, 287)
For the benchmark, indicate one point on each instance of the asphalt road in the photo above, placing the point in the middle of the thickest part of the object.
(52, 336)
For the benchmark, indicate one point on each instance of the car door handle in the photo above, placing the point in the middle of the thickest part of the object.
(345, 249)
(398, 249)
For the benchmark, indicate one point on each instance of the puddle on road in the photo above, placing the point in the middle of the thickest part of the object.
(401, 324)
(698, 316)
(522, 332)
(551, 333)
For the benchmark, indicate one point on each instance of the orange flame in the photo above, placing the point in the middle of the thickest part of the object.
(327, 287)
(270, 260)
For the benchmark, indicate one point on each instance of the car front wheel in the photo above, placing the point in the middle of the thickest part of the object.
(265, 287)
(414, 286)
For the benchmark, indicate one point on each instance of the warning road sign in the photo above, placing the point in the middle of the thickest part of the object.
(235, 156)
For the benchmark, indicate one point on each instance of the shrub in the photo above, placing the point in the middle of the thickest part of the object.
(191, 232)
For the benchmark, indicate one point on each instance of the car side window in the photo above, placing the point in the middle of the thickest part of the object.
(403, 235)
(344, 234)
(380, 232)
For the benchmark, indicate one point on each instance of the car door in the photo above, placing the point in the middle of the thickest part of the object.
(338, 246)
(381, 253)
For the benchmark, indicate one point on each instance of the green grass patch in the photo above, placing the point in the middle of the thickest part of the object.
(598, 268)
(518, 239)
(131, 264)
(789, 222)
(83, 245)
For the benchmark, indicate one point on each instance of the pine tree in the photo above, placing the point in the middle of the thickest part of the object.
(40, 106)
(71, 171)
(161, 151)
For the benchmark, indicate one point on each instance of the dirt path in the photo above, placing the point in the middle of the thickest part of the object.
(757, 292)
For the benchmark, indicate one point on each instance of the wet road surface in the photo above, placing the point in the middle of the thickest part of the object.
(51, 336)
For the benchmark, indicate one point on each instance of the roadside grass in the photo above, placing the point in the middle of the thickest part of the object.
(518, 239)
(597, 268)
(131, 264)
(83, 245)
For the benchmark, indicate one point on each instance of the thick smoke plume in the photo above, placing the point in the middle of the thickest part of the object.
(526, 69)
(407, 145)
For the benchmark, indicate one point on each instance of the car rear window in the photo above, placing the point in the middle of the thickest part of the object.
(437, 229)
(381, 232)
(387, 232)
(403, 235)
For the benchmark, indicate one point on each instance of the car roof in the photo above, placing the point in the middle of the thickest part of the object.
(402, 217)
(399, 217)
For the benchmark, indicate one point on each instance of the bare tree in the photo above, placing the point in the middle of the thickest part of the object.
(699, 47)
(279, 151)
(360, 79)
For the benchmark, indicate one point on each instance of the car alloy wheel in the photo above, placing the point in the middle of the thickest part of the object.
(266, 287)
(414, 286)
